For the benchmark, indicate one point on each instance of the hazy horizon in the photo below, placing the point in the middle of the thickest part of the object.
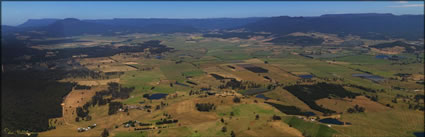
(15, 13)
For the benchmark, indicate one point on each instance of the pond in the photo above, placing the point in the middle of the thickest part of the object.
(305, 76)
(156, 96)
(419, 134)
(262, 96)
(369, 76)
(331, 121)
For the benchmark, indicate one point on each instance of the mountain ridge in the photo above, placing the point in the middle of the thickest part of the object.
(366, 25)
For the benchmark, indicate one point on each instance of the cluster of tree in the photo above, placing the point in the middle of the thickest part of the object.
(397, 87)
(144, 124)
(191, 82)
(154, 47)
(373, 98)
(307, 56)
(31, 97)
(81, 87)
(410, 48)
(237, 99)
(403, 74)
(331, 79)
(83, 73)
(83, 113)
(310, 93)
(122, 93)
(356, 109)
(389, 105)
(205, 89)
(164, 104)
(419, 97)
(105, 133)
(165, 121)
(114, 107)
(98, 99)
(133, 66)
(131, 123)
(147, 107)
(230, 66)
(205, 107)
(146, 96)
(181, 84)
(143, 128)
(417, 106)
(235, 84)
(191, 92)
(274, 117)
(113, 73)
(224, 129)
(115, 90)
(394, 100)
(268, 78)
(179, 61)
(272, 86)
(232, 134)
(219, 77)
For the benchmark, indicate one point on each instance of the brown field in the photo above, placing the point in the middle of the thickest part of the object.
(393, 50)
(220, 70)
(116, 68)
(97, 82)
(131, 63)
(337, 62)
(253, 61)
(282, 96)
(341, 105)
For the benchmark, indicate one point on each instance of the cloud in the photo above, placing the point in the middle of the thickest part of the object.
(402, 2)
(407, 6)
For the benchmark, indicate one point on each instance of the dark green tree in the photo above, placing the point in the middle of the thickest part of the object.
(224, 129)
(105, 133)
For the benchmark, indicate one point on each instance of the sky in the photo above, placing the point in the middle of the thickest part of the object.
(15, 13)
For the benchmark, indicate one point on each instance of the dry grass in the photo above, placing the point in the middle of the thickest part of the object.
(97, 82)
(341, 105)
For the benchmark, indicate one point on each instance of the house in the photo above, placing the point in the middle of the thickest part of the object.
(81, 129)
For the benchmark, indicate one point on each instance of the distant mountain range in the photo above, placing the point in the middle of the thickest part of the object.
(38, 22)
(372, 26)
